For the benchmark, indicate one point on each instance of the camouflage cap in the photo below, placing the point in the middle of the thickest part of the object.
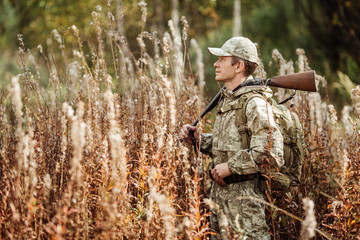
(241, 47)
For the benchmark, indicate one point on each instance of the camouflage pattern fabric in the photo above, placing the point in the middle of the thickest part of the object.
(241, 47)
(225, 145)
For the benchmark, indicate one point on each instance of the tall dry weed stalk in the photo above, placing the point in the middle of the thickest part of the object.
(309, 224)
(329, 171)
(96, 154)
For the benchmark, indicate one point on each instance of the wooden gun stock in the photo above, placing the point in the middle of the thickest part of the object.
(304, 81)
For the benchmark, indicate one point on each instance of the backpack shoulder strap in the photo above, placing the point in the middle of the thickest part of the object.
(240, 118)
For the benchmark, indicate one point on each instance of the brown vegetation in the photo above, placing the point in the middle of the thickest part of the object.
(97, 155)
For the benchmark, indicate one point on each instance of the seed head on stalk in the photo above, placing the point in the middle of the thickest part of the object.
(309, 224)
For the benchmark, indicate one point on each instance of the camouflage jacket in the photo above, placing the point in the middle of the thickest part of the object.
(225, 144)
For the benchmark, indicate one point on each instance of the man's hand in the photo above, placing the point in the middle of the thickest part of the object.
(185, 133)
(219, 172)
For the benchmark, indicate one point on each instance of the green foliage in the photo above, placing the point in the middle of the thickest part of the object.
(8, 23)
(333, 37)
(343, 87)
(8, 65)
(328, 32)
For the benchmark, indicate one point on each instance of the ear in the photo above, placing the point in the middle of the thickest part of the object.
(240, 66)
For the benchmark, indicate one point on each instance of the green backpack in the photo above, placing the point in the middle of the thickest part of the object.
(289, 124)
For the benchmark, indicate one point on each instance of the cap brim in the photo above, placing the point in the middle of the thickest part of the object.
(218, 52)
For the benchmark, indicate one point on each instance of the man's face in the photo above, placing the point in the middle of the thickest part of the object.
(224, 71)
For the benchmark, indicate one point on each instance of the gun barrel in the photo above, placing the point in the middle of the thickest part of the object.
(209, 107)
(300, 81)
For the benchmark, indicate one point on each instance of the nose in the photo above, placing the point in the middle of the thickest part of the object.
(216, 64)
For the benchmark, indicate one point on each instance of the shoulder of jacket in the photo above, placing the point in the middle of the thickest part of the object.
(253, 89)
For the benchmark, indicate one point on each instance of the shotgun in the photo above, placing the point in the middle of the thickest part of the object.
(304, 81)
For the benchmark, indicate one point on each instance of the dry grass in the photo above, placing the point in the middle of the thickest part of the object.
(97, 155)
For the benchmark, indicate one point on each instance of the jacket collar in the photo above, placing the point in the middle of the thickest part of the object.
(238, 91)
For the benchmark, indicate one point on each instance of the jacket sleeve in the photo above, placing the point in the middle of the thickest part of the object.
(266, 140)
(206, 143)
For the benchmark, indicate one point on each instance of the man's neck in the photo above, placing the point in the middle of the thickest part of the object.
(236, 82)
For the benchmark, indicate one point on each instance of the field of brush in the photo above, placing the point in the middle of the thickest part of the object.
(96, 154)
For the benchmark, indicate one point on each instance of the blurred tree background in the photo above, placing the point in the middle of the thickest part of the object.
(328, 31)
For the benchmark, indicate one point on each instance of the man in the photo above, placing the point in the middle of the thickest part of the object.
(245, 217)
